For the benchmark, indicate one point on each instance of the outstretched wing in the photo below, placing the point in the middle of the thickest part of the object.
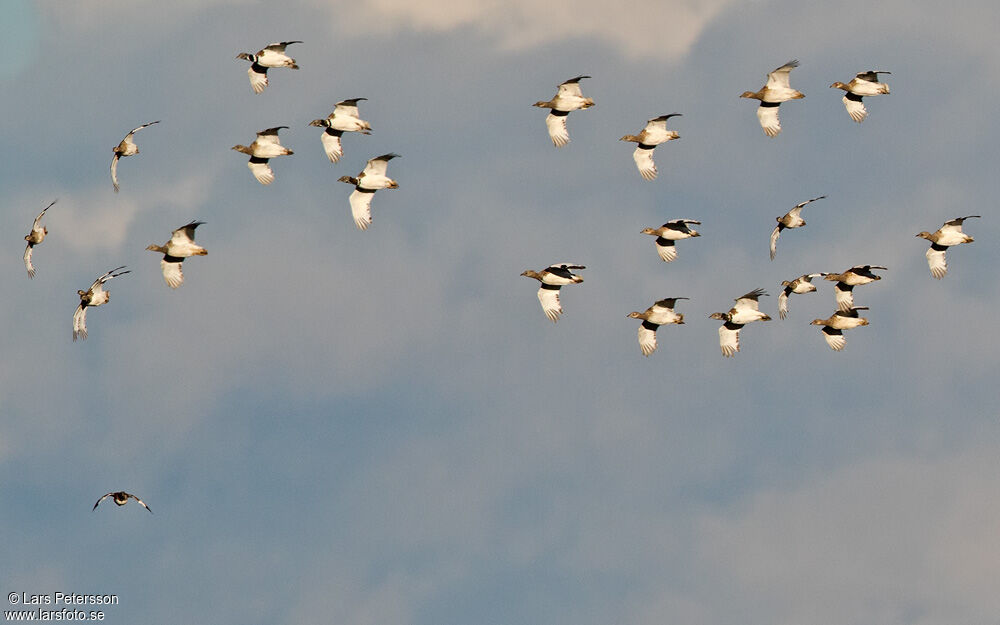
(258, 77)
(80, 331)
(27, 261)
(647, 338)
(834, 338)
(571, 87)
(548, 296)
(114, 172)
(173, 275)
(729, 338)
(555, 122)
(644, 162)
(936, 260)
(666, 249)
(261, 170)
(855, 107)
(141, 503)
(774, 240)
(331, 144)
(38, 220)
(779, 77)
(361, 207)
(101, 499)
(767, 115)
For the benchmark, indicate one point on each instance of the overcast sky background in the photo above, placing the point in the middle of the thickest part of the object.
(382, 427)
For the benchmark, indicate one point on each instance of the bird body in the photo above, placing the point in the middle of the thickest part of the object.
(36, 236)
(126, 147)
(266, 146)
(272, 55)
(791, 219)
(94, 296)
(372, 178)
(746, 310)
(660, 313)
(568, 98)
(845, 282)
(344, 118)
(651, 136)
(776, 90)
(941, 239)
(180, 246)
(553, 278)
(863, 84)
(835, 324)
(668, 233)
(800, 285)
(121, 498)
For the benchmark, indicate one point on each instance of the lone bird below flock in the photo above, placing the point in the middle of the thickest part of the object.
(846, 281)
(660, 313)
(36, 236)
(372, 178)
(941, 239)
(267, 145)
(668, 233)
(553, 278)
(180, 246)
(791, 219)
(651, 136)
(568, 98)
(121, 498)
(344, 118)
(269, 56)
(126, 147)
(839, 321)
(775, 91)
(800, 285)
(94, 296)
(746, 310)
(865, 83)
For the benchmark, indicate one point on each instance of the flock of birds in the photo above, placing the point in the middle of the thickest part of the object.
(777, 89)
(569, 97)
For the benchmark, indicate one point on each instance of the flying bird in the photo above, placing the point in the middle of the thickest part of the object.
(270, 56)
(126, 147)
(775, 91)
(660, 313)
(267, 145)
(651, 136)
(568, 98)
(791, 219)
(941, 239)
(344, 118)
(865, 83)
(180, 246)
(668, 233)
(121, 498)
(843, 290)
(800, 285)
(94, 296)
(746, 310)
(839, 321)
(553, 278)
(372, 178)
(36, 236)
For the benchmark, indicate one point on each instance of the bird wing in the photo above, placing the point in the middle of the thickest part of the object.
(114, 172)
(834, 338)
(844, 294)
(767, 115)
(748, 301)
(27, 260)
(681, 222)
(261, 170)
(348, 108)
(107, 276)
(361, 208)
(729, 338)
(871, 75)
(779, 77)
(80, 331)
(558, 132)
(666, 249)
(279, 46)
(783, 303)
(936, 260)
(141, 503)
(571, 87)
(953, 225)
(855, 107)
(185, 234)
(647, 338)
(548, 296)
(38, 220)
(173, 275)
(331, 145)
(774, 240)
(797, 209)
(269, 136)
(101, 499)
(138, 128)
(378, 165)
(644, 162)
(258, 77)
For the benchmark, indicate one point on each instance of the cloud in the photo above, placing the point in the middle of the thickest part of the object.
(646, 29)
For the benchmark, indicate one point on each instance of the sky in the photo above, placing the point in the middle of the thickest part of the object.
(382, 427)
